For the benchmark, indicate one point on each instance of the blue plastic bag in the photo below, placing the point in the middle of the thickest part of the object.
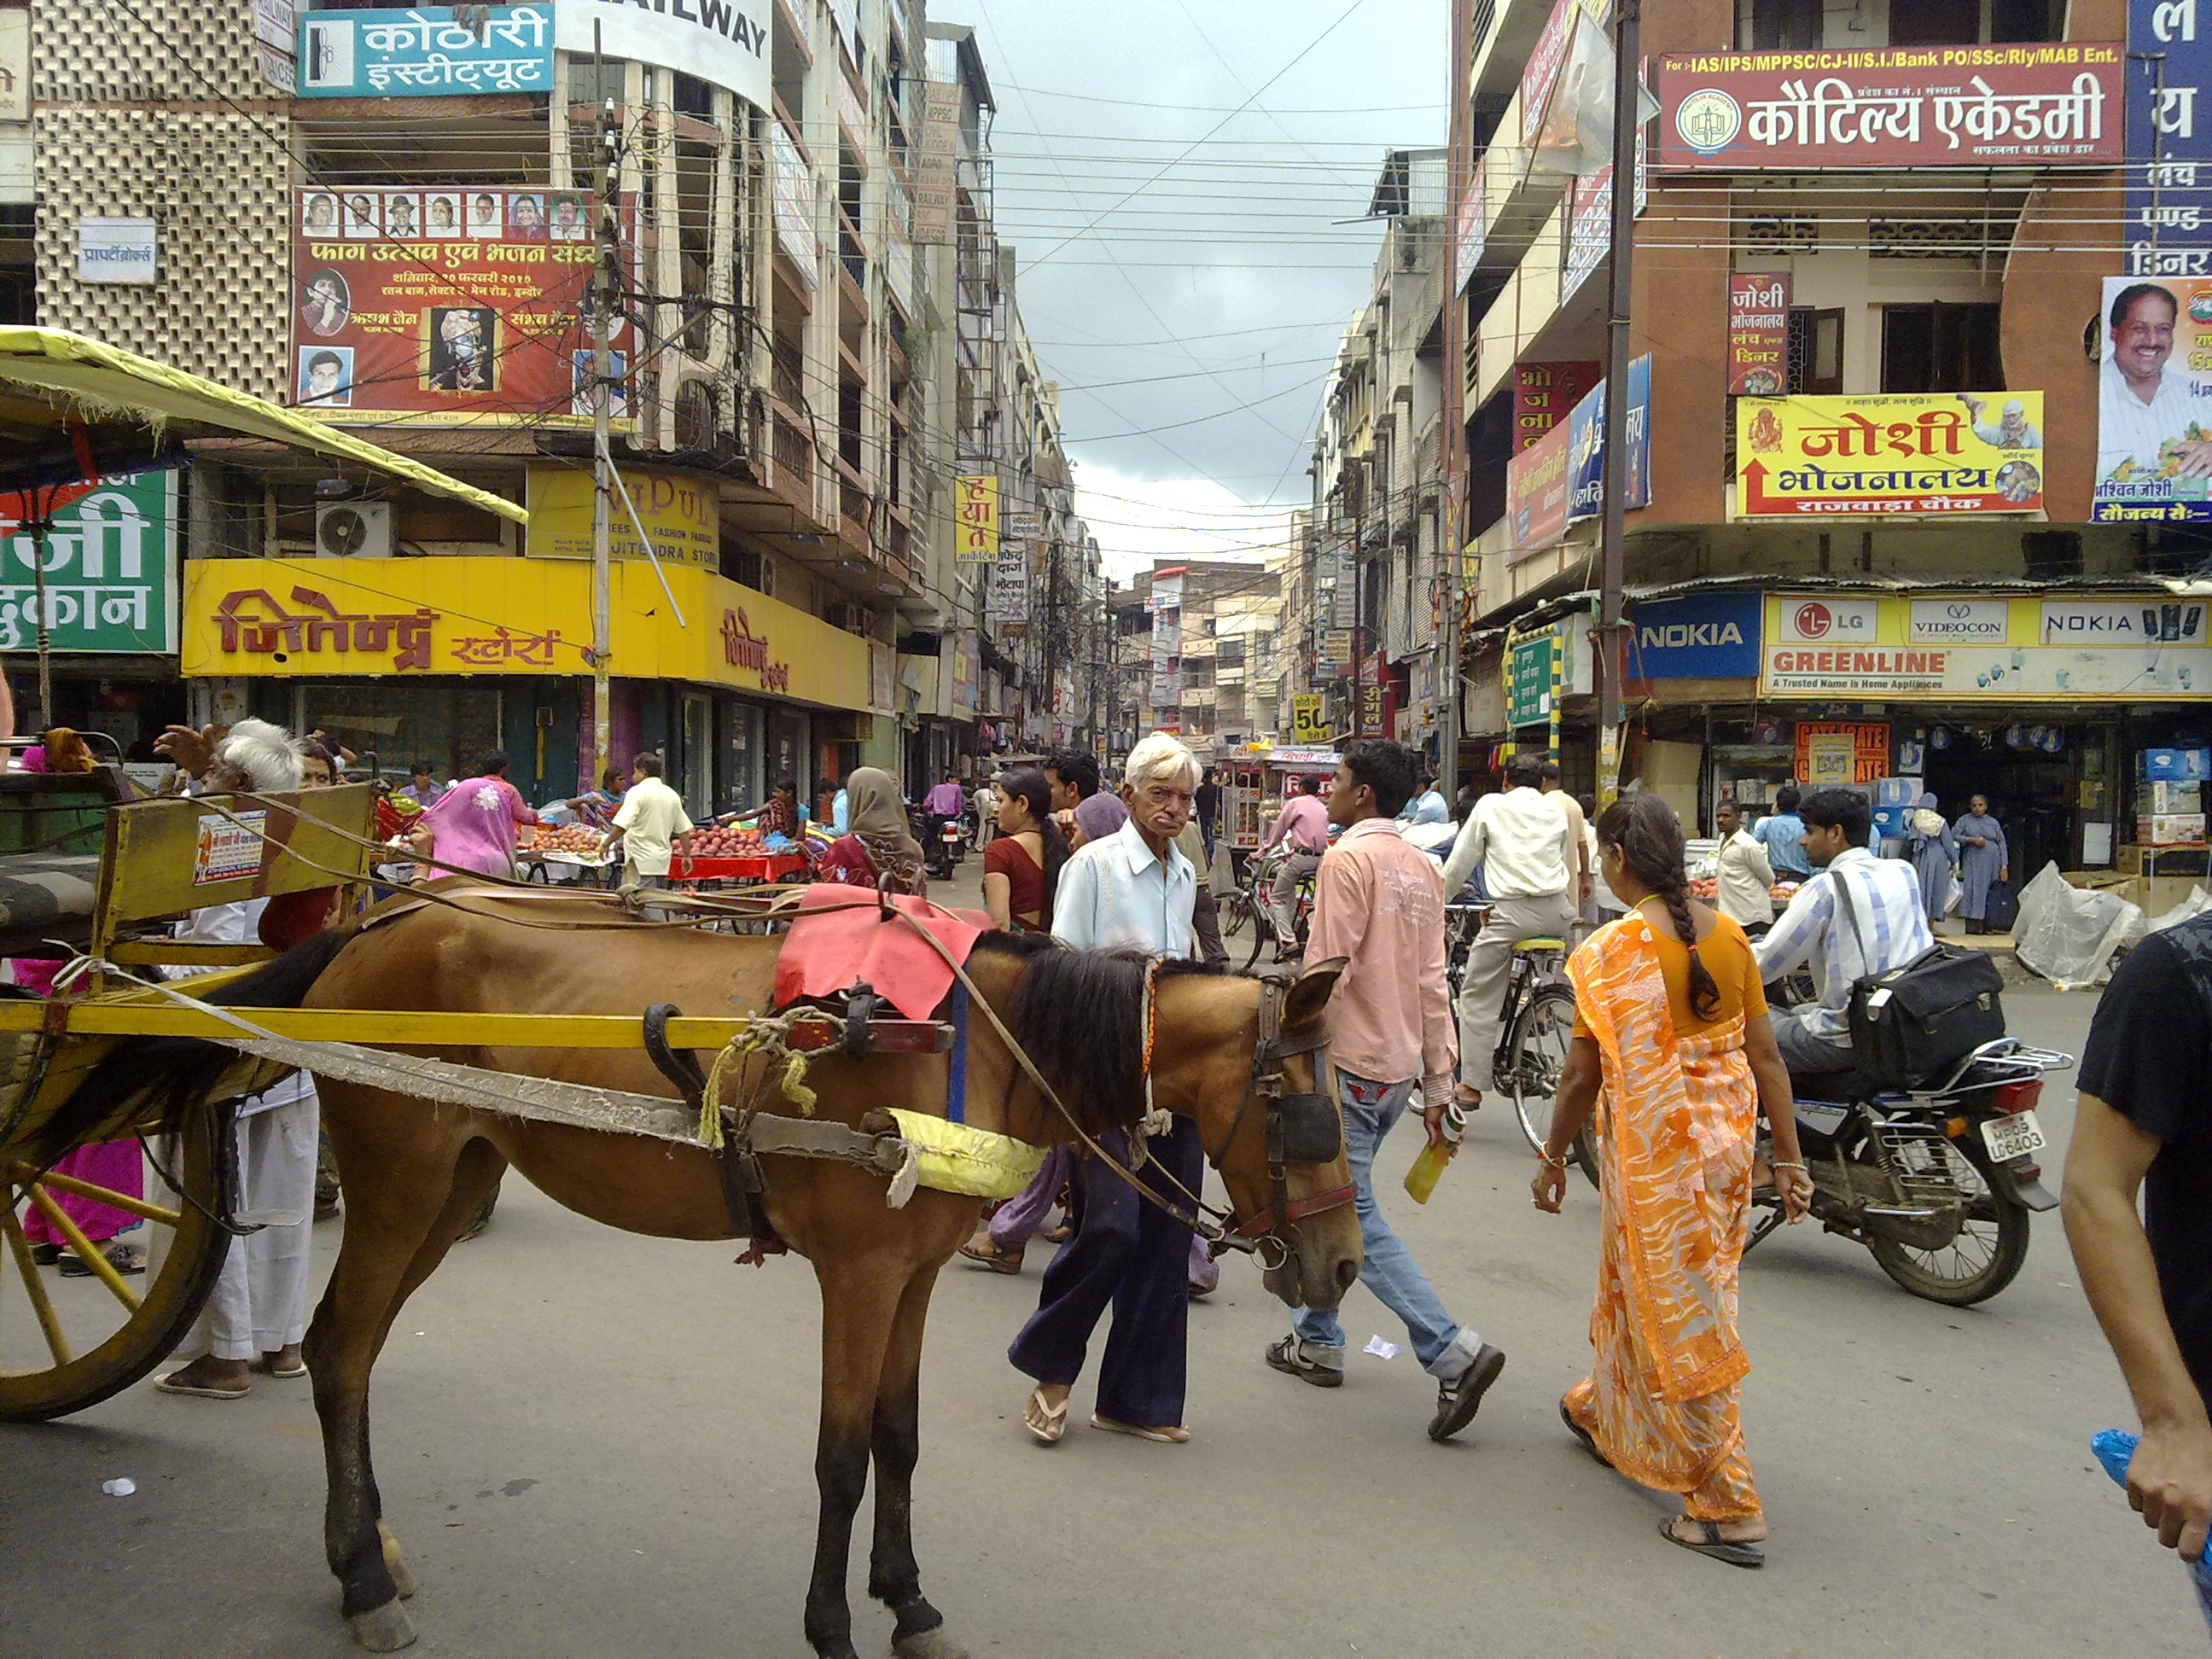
(2116, 1449)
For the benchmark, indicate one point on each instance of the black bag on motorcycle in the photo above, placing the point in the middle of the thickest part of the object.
(1911, 1021)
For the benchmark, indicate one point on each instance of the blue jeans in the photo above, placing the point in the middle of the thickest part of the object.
(1444, 1348)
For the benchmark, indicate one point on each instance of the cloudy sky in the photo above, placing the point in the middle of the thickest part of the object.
(1172, 173)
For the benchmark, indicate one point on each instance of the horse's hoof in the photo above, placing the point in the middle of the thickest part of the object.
(929, 1644)
(402, 1578)
(383, 1629)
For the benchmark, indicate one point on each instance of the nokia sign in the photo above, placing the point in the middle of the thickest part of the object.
(1694, 636)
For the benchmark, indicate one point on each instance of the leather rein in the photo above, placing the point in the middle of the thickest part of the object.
(1267, 1083)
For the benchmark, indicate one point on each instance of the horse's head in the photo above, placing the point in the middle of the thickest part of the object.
(1243, 1057)
(1086, 1018)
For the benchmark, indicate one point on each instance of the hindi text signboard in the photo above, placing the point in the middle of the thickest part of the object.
(109, 564)
(2053, 104)
(976, 519)
(1758, 333)
(426, 51)
(1939, 453)
(1536, 489)
(2169, 174)
(456, 306)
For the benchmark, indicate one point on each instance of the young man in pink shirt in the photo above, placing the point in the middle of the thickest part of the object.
(1379, 905)
(1303, 826)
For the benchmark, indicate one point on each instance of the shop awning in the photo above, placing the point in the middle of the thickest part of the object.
(70, 406)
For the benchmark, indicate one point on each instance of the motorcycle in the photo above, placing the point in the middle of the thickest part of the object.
(1937, 1181)
(943, 841)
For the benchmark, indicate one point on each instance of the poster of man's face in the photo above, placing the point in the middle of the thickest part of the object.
(359, 215)
(570, 224)
(403, 216)
(485, 218)
(327, 306)
(461, 347)
(325, 377)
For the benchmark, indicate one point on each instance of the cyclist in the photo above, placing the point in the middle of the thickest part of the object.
(1304, 825)
(1523, 838)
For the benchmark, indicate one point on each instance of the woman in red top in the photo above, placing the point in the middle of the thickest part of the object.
(1021, 868)
(879, 845)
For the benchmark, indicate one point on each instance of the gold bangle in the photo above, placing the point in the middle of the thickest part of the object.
(1550, 1162)
(1784, 1164)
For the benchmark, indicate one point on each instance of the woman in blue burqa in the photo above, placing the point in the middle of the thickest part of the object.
(1983, 861)
(1934, 853)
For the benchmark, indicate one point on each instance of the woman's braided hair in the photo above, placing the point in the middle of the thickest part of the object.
(1650, 838)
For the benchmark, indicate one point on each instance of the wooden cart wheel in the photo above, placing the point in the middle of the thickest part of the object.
(98, 1336)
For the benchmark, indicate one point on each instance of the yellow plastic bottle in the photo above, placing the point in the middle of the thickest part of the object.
(1421, 1179)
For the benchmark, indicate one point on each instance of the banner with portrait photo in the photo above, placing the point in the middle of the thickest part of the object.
(2155, 400)
(453, 306)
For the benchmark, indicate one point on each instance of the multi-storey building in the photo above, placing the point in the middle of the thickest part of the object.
(1202, 653)
(412, 220)
(1864, 537)
(1373, 553)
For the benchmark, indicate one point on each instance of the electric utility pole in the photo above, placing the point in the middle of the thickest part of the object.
(1611, 660)
(605, 296)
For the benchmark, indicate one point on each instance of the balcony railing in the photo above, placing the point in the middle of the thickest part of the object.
(793, 453)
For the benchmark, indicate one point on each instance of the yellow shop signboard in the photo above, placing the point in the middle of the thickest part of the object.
(681, 515)
(1926, 454)
(318, 618)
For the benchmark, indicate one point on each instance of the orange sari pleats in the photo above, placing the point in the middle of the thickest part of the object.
(1676, 1126)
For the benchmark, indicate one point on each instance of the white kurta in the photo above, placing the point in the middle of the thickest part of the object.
(259, 1304)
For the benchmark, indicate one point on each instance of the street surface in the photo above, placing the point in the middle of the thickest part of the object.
(593, 1444)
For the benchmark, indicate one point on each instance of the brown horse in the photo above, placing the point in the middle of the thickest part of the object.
(415, 1172)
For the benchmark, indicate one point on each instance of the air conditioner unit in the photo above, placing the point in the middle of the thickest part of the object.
(354, 530)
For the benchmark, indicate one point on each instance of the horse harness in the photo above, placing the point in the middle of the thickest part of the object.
(1301, 1129)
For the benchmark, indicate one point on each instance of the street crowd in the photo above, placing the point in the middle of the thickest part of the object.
(1678, 1071)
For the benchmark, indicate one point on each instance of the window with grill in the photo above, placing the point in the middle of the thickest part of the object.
(1816, 352)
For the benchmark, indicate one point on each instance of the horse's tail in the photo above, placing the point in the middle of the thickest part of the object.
(181, 1072)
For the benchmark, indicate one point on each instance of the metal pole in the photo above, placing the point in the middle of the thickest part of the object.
(1451, 528)
(1358, 476)
(1626, 90)
(603, 299)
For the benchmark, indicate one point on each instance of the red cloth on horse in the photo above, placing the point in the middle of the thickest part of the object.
(829, 950)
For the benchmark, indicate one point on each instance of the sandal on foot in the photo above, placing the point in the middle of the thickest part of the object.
(1175, 1436)
(45, 1255)
(1712, 1544)
(1588, 1440)
(1059, 1235)
(998, 1260)
(1047, 1423)
(123, 1258)
(170, 1385)
(289, 1373)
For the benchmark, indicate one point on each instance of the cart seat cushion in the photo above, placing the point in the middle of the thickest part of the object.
(39, 890)
(841, 937)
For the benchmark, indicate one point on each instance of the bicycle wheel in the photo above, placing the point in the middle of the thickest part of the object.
(1535, 1054)
(1236, 914)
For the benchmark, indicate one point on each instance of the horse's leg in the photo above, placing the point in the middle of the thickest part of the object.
(390, 1216)
(860, 1301)
(894, 1577)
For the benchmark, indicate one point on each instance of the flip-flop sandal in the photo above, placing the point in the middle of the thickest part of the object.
(267, 1369)
(1059, 1235)
(998, 1262)
(170, 1385)
(1175, 1436)
(1047, 1423)
(1721, 1549)
(1588, 1440)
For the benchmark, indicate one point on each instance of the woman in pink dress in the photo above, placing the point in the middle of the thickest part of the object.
(472, 826)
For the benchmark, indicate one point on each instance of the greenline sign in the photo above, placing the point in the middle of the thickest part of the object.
(1528, 679)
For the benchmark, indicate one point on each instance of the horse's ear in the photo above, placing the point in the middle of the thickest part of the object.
(1309, 995)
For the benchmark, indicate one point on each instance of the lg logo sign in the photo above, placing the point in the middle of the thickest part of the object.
(1833, 622)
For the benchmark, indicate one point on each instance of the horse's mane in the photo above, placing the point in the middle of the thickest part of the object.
(1080, 1015)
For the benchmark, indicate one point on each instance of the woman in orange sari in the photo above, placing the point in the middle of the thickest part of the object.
(1674, 1052)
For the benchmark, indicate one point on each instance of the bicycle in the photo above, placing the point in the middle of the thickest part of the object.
(1536, 1027)
(1249, 906)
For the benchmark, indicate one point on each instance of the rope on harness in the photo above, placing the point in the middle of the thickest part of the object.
(768, 1039)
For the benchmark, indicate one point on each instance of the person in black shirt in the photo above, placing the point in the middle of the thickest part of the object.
(1208, 802)
(2144, 1121)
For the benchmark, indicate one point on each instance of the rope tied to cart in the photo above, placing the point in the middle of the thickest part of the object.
(768, 1039)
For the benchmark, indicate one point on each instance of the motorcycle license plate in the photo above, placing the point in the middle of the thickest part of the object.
(2015, 1136)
